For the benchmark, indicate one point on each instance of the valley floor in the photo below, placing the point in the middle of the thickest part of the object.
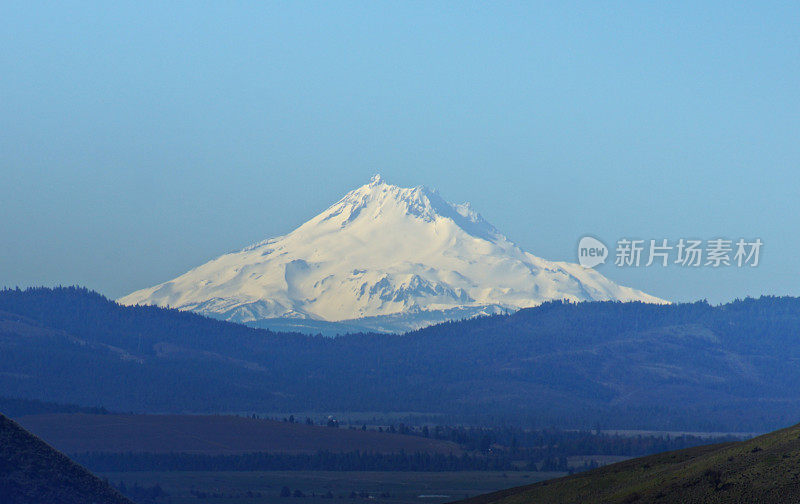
(313, 487)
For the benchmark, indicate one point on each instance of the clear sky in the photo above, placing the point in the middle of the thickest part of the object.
(138, 140)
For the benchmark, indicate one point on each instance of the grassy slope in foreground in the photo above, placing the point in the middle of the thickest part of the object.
(762, 469)
(31, 472)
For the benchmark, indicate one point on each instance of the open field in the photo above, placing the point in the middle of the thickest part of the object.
(249, 487)
(214, 435)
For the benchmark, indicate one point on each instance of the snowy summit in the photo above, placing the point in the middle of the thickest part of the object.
(398, 257)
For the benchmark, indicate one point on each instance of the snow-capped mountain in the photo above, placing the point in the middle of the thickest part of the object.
(396, 258)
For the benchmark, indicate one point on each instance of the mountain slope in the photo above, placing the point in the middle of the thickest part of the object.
(382, 250)
(763, 469)
(31, 472)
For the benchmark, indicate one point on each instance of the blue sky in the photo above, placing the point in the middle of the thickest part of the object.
(138, 140)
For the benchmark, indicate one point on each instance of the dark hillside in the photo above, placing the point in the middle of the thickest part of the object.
(31, 472)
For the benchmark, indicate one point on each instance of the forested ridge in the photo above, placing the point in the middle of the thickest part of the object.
(618, 365)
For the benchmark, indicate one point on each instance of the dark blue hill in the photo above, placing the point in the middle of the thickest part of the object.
(620, 365)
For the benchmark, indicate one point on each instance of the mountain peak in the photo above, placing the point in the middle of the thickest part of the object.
(379, 201)
(381, 251)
